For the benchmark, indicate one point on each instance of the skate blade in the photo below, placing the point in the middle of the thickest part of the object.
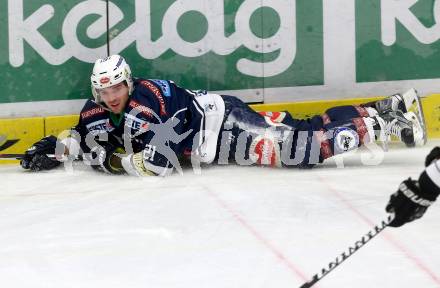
(413, 104)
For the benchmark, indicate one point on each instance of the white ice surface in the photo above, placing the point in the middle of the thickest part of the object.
(229, 227)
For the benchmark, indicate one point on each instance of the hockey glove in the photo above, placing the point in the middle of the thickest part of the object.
(433, 155)
(106, 158)
(36, 159)
(411, 201)
(134, 165)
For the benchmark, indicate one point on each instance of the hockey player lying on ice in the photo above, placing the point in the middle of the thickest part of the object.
(144, 127)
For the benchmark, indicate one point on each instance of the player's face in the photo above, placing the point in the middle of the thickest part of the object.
(115, 97)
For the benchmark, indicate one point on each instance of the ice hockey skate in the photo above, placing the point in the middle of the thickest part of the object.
(404, 127)
(402, 111)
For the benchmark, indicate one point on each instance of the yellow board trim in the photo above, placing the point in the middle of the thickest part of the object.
(310, 108)
(431, 109)
(26, 130)
(55, 125)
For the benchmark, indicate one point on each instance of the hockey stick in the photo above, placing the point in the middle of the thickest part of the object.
(350, 251)
(20, 156)
(11, 156)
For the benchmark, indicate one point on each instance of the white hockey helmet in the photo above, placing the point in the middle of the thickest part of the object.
(108, 72)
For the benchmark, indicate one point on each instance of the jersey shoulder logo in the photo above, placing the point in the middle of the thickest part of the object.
(158, 94)
(146, 111)
(164, 86)
(91, 112)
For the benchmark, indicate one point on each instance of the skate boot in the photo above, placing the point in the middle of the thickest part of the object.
(402, 126)
(392, 103)
(408, 104)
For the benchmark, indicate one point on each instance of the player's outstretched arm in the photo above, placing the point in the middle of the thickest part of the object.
(413, 198)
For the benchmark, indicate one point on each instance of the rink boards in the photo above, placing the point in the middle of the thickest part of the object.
(26, 131)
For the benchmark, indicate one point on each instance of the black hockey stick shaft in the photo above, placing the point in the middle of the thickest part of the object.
(11, 156)
(350, 251)
(19, 156)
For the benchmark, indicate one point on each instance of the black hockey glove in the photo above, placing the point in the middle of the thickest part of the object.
(433, 155)
(105, 159)
(36, 159)
(412, 200)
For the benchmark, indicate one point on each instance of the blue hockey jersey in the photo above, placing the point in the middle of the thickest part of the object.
(160, 118)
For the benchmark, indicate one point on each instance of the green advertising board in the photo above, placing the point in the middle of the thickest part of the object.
(397, 40)
(47, 47)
